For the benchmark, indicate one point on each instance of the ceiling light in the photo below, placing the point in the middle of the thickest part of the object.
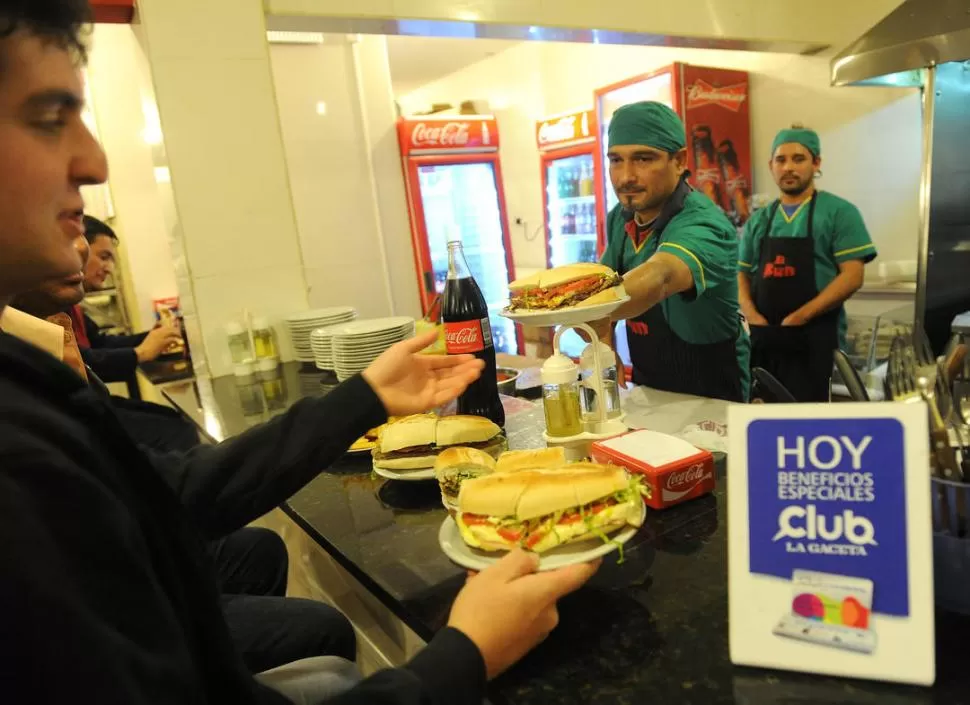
(321, 108)
(278, 37)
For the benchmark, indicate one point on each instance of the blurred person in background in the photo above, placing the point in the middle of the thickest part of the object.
(115, 600)
(114, 358)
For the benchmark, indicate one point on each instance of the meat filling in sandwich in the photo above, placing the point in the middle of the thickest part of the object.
(563, 287)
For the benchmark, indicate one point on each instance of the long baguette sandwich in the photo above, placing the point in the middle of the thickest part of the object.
(414, 442)
(585, 284)
(540, 510)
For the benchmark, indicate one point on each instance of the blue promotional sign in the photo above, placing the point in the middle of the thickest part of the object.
(830, 546)
(829, 495)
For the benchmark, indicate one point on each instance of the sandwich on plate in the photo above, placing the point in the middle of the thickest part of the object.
(542, 509)
(585, 284)
(544, 459)
(457, 464)
(414, 442)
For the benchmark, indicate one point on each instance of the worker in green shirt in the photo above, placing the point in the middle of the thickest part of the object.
(800, 259)
(677, 253)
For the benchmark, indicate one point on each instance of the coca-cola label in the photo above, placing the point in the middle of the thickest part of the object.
(568, 128)
(449, 134)
(680, 484)
(462, 337)
(685, 479)
(703, 93)
(428, 135)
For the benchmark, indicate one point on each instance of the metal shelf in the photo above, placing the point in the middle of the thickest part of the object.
(572, 200)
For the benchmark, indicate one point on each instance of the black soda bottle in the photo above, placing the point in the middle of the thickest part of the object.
(467, 330)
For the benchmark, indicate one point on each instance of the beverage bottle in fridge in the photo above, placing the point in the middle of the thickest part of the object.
(467, 330)
(576, 180)
(586, 180)
(563, 177)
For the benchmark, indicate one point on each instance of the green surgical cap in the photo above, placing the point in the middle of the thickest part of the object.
(649, 123)
(799, 135)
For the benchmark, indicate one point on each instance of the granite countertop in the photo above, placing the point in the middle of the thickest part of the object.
(652, 630)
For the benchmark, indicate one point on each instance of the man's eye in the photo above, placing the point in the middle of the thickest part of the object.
(49, 126)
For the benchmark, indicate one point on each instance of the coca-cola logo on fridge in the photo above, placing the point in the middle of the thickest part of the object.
(450, 134)
(428, 135)
(682, 481)
(703, 93)
(568, 128)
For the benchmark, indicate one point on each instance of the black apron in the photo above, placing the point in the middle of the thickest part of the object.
(800, 357)
(662, 360)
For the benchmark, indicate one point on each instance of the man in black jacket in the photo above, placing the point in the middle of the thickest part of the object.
(268, 629)
(110, 598)
(114, 358)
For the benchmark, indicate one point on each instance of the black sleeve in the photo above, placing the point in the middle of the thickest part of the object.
(226, 486)
(99, 340)
(449, 671)
(111, 364)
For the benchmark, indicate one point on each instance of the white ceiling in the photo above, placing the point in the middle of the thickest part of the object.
(416, 61)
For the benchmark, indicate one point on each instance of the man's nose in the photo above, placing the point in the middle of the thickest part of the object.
(90, 166)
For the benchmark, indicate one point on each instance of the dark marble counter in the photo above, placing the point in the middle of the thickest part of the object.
(652, 630)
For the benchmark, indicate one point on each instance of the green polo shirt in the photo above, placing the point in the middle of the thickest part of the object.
(838, 230)
(703, 238)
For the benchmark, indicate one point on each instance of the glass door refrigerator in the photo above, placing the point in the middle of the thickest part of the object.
(567, 143)
(713, 103)
(454, 188)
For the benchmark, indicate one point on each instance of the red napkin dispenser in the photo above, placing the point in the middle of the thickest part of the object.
(674, 470)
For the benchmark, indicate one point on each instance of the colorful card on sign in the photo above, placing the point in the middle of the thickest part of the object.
(830, 540)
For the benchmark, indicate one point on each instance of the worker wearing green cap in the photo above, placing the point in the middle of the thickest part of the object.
(677, 252)
(800, 259)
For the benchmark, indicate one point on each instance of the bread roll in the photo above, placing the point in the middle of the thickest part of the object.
(409, 432)
(516, 460)
(460, 455)
(526, 282)
(456, 430)
(603, 297)
(565, 274)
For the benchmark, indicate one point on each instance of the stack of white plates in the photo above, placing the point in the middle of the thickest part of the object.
(357, 344)
(321, 343)
(301, 325)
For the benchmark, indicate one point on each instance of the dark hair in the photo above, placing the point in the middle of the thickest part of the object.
(94, 228)
(60, 22)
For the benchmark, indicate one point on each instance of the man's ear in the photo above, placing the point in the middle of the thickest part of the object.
(680, 159)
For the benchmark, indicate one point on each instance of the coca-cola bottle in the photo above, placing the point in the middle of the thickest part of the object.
(467, 330)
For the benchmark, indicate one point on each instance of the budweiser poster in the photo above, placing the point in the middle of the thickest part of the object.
(716, 115)
(428, 134)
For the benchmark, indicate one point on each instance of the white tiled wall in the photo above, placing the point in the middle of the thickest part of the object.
(235, 222)
(337, 118)
(120, 84)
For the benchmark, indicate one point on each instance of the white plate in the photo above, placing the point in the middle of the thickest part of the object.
(581, 552)
(426, 474)
(566, 316)
(318, 313)
(375, 325)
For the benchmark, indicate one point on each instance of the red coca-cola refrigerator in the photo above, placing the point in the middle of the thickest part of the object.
(567, 143)
(454, 189)
(713, 103)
